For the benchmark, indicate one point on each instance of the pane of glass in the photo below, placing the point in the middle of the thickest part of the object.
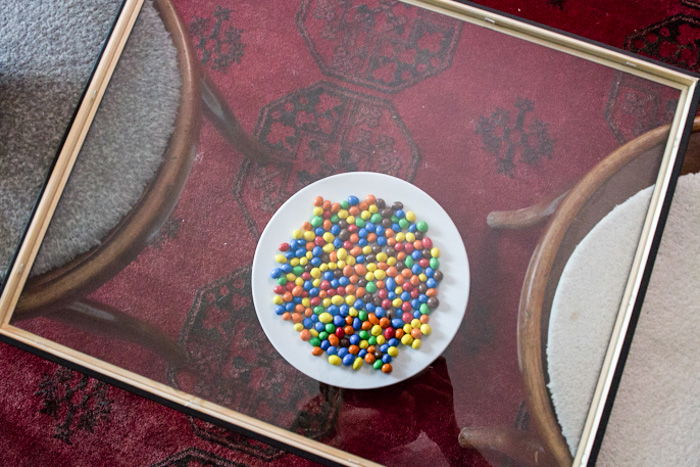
(47, 54)
(148, 262)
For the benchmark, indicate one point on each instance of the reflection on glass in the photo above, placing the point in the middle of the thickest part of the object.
(484, 123)
(47, 53)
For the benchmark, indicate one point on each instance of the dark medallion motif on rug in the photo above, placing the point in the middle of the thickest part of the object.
(234, 365)
(217, 40)
(676, 41)
(196, 457)
(317, 132)
(514, 136)
(382, 44)
(635, 106)
(75, 401)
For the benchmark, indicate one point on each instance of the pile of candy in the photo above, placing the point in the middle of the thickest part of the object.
(359, 279)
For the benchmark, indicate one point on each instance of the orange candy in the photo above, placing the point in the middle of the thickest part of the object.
(333, 339)
(406, 273)
(360, 269)
(384, 322)
(349, 331)
(387, 368)
(391, 271)
(317, 351)
(353, 349)
(318, 201)
(349, 289)
(373, 318)
(326, 205)
(327, 224)
(305, 335)
(415, 281)
(401, 255)
(347, 271)
(431, 292)
(297, 317)
(399, 333)
(369, 358)
(424, 318)
(335, 207)
(354, 238)
(366, 325)
(307, 226)
(415, 333)
(354, 210)
(287, 297)
(372, 237)
(286, 316)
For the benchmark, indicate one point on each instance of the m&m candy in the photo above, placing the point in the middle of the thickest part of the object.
(358, 280)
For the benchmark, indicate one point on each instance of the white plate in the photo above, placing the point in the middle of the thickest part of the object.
(452, 292)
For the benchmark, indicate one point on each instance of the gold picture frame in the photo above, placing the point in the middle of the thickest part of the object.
(682, 81)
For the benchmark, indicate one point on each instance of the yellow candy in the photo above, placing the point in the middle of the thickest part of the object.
(398, 290)
(435, 252)
(410, 237)
(376, 330)
(323, 267)
(391, 261)
(309, 255)
(306, 301)
(381, 257)
(365, 215)
(303, 261)
(416, 343)
(281, 259)
(381, 339)
(406, 339)
(353, 312)
(410, 216)
(328, 237)
(369, 277)
(298, 281)
(357, 363)
(315, 273)
(334, 360)
(350, 219)
(343, 214)
(400, 237)
(415, 323)
(425, 329)
(372, 267)
(340, 264)
(337, 300)
(298, 327)
(393, 351)
(326, 302)
(351, 260)
(396, 303)
(366, 250)
(291, 277)
(342, 253)
(294, 262)
(325, 317)
(328, 247)
(317, 211)
(349, 299)
(316, 282)
(277, 300)
(309, 235)
(364, 344)
(313, 332)
(332, 266)
(296, 234)
(422, 277)
(373, 208)
(379, 274)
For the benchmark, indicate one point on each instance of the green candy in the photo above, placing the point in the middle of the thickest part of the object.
(299, 270)
(335, 218)
(408, 261)
(362, 315)
(371, 287)
(330, 328)
(317, 221)
(323, 335)
(394, 219)
(434, 263)
(282, 281)
(422, 226)
(424, 309)
(403, 223)
(363, 334)
(360, 222)
(315, 341)
(344, 204)
(376, 218)
(372, 340)
(318, 309)
(377, 364)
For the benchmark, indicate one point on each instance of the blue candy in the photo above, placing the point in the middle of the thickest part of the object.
(276, 273)
(353, 200)
(348, 359)
(343, 351)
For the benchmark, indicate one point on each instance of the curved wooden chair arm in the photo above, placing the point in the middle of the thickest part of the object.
(525, 217)
(520, 446)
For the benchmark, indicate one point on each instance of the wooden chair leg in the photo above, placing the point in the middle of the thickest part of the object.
(520, 446)
(98, 318)
(525, 217)
(225, 120)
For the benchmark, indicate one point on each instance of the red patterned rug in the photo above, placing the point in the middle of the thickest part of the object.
(53, 415)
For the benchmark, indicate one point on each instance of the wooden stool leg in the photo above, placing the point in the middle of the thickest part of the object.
(98, 318)
(517, 445)
(223, 117)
